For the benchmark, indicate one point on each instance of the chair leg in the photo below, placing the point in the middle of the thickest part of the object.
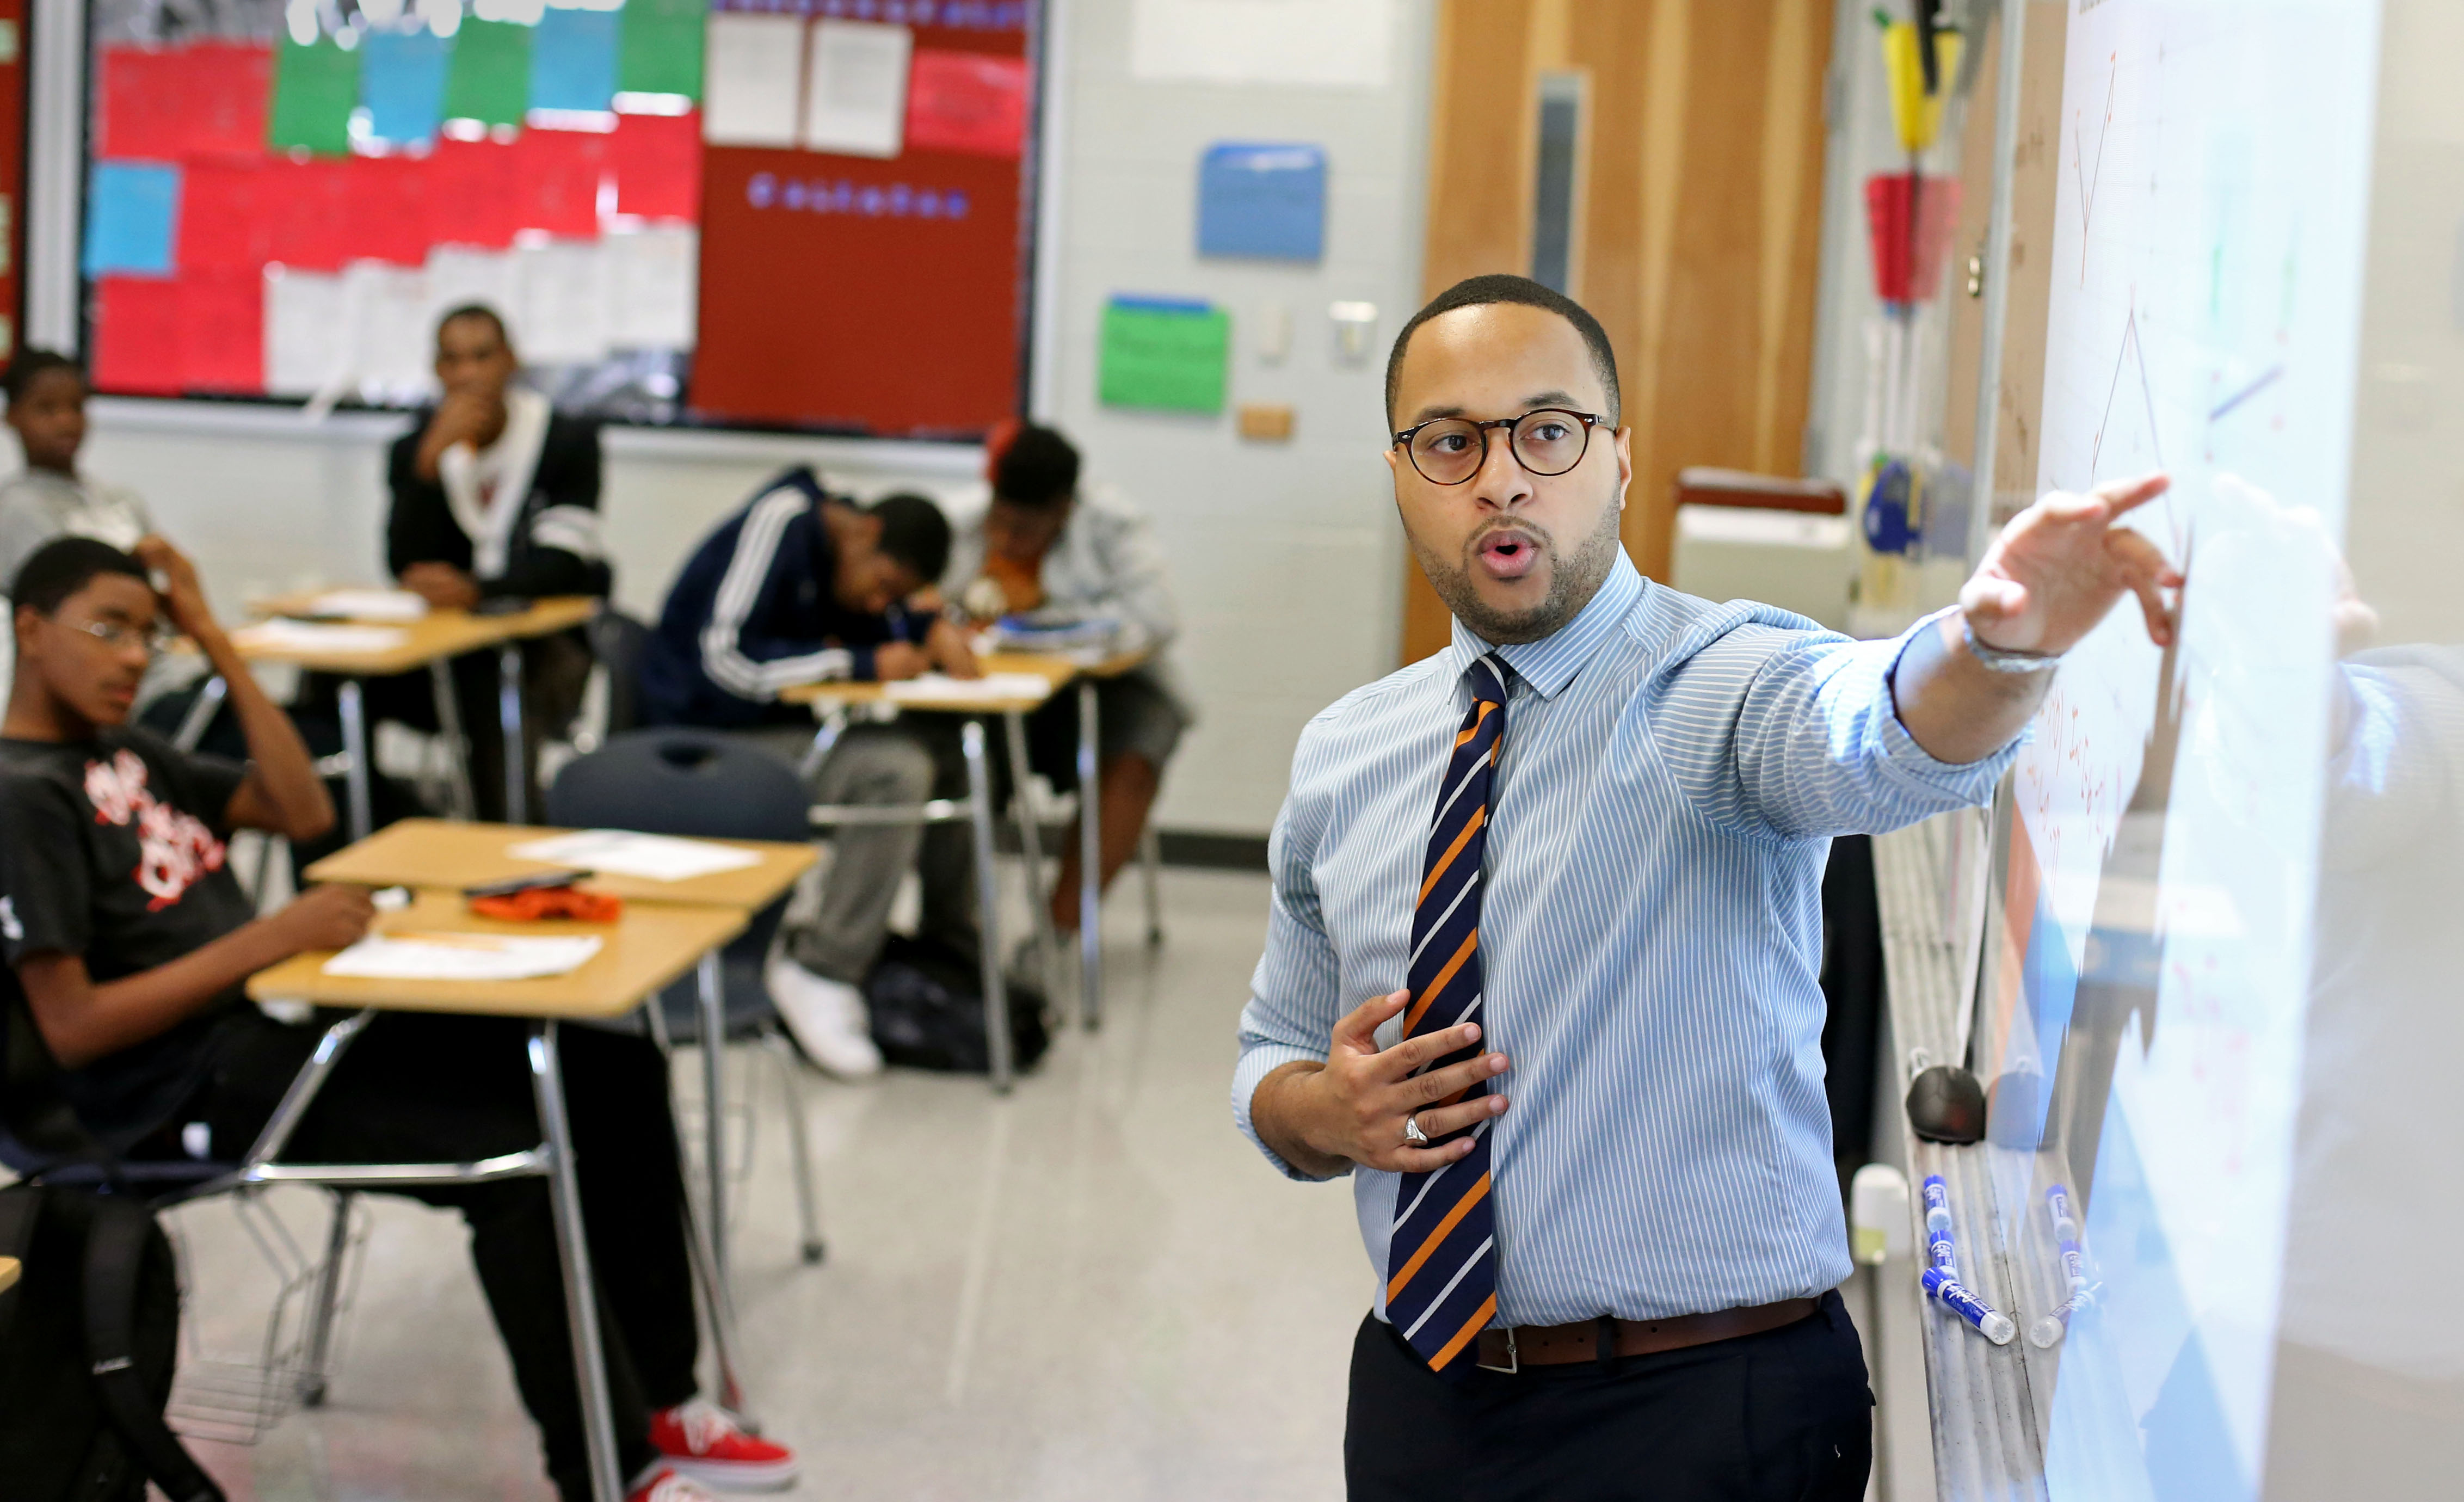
(1151, 870)
(313, 1374)
(808, 1204)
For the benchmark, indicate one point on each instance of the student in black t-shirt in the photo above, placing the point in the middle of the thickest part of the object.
(131, 940)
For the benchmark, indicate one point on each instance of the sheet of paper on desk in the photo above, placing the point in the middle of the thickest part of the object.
(462, 956)
(623, 852)
(369, 605)
(936, 687)
(318, 636)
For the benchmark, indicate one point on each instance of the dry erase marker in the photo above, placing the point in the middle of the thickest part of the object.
(1945, 1290)
(2057, 1204)
(1937, 1203)
(2053, 1326)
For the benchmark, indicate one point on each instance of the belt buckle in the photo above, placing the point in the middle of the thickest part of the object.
(1514, 1357)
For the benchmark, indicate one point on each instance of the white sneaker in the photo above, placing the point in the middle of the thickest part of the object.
(827, 1018)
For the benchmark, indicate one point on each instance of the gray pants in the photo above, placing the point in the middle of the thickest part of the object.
(880, 766)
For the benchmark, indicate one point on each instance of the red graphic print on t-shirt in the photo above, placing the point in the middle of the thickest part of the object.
(174, 847)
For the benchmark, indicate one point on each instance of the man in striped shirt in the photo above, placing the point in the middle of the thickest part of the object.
(1564, 1034)
(803, 586)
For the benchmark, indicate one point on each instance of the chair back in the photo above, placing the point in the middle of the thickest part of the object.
(618, 641)
(698, 785)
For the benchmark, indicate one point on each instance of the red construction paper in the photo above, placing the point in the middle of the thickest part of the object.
(657, 160)
(307, 207)
(168, 103)
(971, 102)
(224, 223)
(386, 214)
(136, 343)
(556, 179)
(470, 194)
(222, 332)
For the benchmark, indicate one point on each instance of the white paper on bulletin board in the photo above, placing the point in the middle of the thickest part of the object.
(1327, 43)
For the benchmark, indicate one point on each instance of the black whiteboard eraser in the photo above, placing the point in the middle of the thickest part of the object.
(1946, 1105)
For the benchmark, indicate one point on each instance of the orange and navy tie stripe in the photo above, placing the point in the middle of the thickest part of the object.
(1441, 1257)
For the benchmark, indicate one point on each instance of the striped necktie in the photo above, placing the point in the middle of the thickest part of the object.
(1441, 1257)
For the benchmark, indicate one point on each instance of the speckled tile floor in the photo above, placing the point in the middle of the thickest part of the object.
(1093, 1290)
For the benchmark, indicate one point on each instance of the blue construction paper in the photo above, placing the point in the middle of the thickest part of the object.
(132, 218)
(1262, 200)
(402, 84)
(573, 59)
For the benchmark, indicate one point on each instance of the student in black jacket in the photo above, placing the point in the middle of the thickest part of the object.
(495, 496)
(131, 940)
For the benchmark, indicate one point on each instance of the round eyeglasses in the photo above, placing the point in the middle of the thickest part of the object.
(1448, 451)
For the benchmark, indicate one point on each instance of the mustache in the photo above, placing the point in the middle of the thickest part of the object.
(1541, 538)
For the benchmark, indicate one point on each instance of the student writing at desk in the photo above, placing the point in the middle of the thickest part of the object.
(496, 497)
(121, 920)
(802, 587)
(1035, 543)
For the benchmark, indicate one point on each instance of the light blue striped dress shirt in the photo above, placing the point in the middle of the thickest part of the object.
(1652, 927)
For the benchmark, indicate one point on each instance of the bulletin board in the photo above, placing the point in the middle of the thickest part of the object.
(808, 215)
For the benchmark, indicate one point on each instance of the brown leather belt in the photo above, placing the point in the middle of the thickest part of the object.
(1558, 1346)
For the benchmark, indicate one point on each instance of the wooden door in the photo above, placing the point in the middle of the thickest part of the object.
(1696, 225)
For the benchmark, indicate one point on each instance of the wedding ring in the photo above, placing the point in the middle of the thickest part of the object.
(1413, 1134)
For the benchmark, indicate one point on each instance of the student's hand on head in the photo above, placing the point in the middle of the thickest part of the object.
(182, 597)
(894, 662)
(948, 647)
(1359, 1101)
(444, 587)
(326, 918)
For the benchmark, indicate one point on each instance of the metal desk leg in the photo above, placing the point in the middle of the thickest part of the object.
(1090, 865)
(573, 1247)
(458, 747)
(354, 743)
(980, 809)
(1031, 845)
(211, 694)
(713, 1148)
(509, 716)
(715, 1298)
(314, 1379)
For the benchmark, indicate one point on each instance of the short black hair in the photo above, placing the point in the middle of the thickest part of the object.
(1039, 468)
(477, 310)
(64, 565)
(913, 533)
(1474, 291)
(29, 366)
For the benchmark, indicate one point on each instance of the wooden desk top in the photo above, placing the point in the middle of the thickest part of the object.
(9, 1271)
(1056, 670)
(652, 945)
(437, 634)
(439, 852)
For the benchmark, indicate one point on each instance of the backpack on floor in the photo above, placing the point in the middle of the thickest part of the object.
(90, 1332)
(927, 1011)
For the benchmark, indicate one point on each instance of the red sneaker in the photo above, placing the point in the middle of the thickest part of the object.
(703, 1441)
(664, 1486)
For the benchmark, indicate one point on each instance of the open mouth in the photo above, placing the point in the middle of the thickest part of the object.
(1509, 555)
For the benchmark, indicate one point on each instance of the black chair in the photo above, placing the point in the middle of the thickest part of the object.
(618, 641)
(695, 785)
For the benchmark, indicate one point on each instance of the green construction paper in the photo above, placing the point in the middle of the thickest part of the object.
(490, 77)
(315, 87)
(1171, 356)
(658, 48)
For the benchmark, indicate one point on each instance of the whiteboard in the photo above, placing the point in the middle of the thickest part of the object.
(2144, 1028)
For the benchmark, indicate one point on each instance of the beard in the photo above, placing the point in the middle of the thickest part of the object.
(1574, 578)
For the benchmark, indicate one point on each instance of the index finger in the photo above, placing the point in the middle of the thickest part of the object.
(2121, 496)
(1358, 1027)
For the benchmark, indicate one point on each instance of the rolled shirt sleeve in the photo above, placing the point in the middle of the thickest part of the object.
(1295, 997)
(1795, 733)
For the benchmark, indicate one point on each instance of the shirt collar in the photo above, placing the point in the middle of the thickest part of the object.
(1551, 662)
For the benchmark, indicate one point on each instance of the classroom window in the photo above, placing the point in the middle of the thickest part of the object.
(1557, 180)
